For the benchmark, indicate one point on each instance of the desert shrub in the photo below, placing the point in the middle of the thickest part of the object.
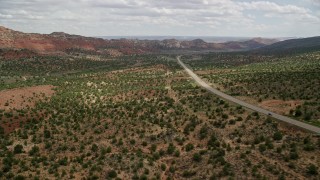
(112, 174)
(34, 151)
(312, 169)
(203, 132)
(277, 136)
(188, 174)
(171, 149)
(189, 147)
(197, 157)
(18, 149)
(47, 134)
(262, 148)
(19, 177)
(163, 167)
(1, 131)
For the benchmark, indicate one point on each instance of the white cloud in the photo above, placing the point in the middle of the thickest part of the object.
(287, 12)
(273, 7)
(315, 2)
(149, 17)
(6, 16)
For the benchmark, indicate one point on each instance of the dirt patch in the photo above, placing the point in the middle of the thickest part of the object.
(279, 106)
(274, 105)
(214, 71)
(113, 52)
(21, 98)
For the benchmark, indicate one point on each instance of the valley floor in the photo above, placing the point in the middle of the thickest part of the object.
(139, 117)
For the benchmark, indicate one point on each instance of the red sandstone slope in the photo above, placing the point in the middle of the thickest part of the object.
(59, 42)
(47, 43)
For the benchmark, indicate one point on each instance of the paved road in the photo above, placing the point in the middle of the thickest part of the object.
(247, 105)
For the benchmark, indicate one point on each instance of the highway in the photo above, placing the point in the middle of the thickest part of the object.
(279, 117)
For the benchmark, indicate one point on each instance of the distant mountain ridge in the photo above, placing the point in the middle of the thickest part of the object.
(60, 42)
(292, 45)
(208, 39)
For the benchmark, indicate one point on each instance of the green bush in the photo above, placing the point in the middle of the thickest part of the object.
(112, 174)
(277, 136)
(19, 177)
(18, 149)
(312, 169)
(163, 167)
(189, 147)
(1, 131)
(34, 151)
(47, 134)
(188, 174)
(197, 157)
(262, 148)
(171, 149)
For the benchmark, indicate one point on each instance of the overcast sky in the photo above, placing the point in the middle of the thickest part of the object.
(270, 18)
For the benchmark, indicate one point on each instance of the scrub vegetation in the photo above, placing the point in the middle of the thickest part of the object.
(142, 117)
(288, 85)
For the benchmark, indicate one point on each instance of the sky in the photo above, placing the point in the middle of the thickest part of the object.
(238, 18)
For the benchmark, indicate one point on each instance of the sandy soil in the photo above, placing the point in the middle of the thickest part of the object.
(279, 106)
(274, 105)
(20, 98)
